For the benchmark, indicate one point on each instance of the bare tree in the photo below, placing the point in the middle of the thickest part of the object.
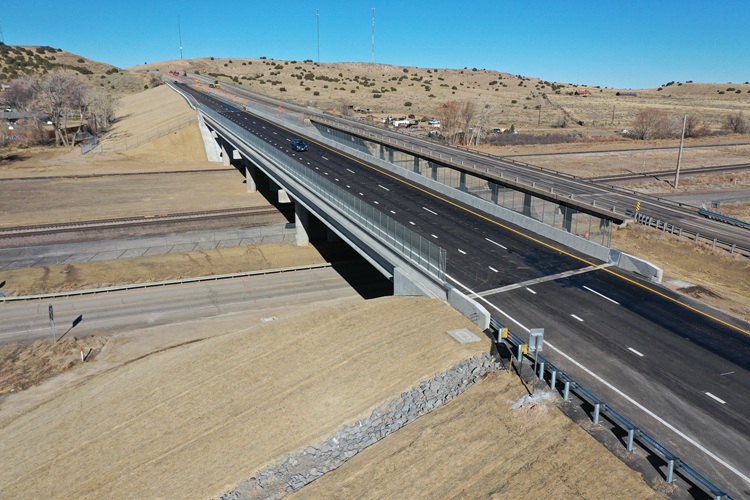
(449, 115)
(695, 127)
(58, 94)
(21, 94)
(652, 123)
(101, 107)
(736, 124)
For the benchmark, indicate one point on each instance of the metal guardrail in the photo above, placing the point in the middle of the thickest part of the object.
(635, 434)
(182, 281)
(694, 235)
(723, 218)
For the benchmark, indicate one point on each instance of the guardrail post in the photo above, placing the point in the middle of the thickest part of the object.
(631, 435)
(670, 471)
(596, 413)
(541, 370)
(553, 379)
(566, 391)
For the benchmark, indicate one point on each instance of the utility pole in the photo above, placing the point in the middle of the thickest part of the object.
(179, 31)
(679, 155)
(317, 15)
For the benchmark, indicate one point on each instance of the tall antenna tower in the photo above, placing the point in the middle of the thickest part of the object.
(317, 14)
(2, 38)
(373, 35)
(179, 31)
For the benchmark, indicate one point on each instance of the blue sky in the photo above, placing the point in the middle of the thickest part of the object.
(624, 44)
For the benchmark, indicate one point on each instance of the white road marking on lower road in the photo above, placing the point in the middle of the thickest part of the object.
(383, 187)
(635, 403)
(530, 290)
(576, 317)
(433, 213)
(434, 236)
(716, 398)
(361, 194)
(634, 351)
(462, 251)
(348, 186)
(394, 213)
(376, 202)
(410, 222)
(326, 159)
(350, 170)
(336, 179)
(493, 269)
(600, 295)
(726, 373)
(496, 243)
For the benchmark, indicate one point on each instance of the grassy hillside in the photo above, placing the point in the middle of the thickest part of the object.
(529, 103)
(16, 61)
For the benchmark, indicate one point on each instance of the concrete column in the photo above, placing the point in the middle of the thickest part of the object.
(527, 204)
(494, 188)
(250, 174)
(416, 165)
(390, 155)
(462, 181)
(567, 218)
(224, 154)
(382, 151)
(301, 224)
(434, 167)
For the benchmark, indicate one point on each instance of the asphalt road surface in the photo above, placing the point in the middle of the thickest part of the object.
(120, 311)
(673, 366)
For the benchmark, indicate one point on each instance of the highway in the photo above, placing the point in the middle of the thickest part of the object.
(677, 368)
(127, 310)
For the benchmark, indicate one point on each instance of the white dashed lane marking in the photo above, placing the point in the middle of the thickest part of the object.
(576, 317)
(635, 352)
(496, 243)
(716, 398)
(433, 213)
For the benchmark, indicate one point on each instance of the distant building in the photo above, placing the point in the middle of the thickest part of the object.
(583, 92)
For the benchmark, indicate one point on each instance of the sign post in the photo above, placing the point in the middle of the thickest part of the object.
(52, 323)
(536, 343)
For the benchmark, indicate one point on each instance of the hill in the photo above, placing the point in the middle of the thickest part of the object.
(16, 61)
(530, 104)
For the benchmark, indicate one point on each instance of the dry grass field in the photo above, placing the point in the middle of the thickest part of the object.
(187, 415)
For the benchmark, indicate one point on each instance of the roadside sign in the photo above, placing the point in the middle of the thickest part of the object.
(51, 313)
(536, 340)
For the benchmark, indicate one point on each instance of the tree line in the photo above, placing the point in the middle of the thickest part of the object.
(464, 123)
(63, 100)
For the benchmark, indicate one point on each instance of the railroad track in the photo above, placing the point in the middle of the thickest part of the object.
(130, 221)
(663, 173)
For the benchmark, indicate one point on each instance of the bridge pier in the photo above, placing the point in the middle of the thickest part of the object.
(434, 166)
(309, 228)
(527, 204)
(417, 168)
(568, 218)
(462, 181)
(251, 173)
(495, 189)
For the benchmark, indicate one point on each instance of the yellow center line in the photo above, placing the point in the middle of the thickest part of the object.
(529, 237)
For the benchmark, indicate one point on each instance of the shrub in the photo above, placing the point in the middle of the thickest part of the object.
(407, 104)
(282, 89)
(316, 93)
(377, 96)
(81, 60)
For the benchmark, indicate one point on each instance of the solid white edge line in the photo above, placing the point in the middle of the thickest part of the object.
(600, 295)
(613, 388)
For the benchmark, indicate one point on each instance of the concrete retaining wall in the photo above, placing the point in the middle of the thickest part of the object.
(299, 469)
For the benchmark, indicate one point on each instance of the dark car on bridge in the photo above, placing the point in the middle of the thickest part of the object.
(299, 145)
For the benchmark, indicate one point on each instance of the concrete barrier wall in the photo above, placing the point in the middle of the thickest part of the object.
(640, 266)
(470, 308)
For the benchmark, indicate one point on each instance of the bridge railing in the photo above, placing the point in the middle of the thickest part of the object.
(557, 377)
(420, 251)
(694, 235)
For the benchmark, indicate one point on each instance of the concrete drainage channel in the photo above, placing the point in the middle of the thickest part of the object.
(298, 469)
